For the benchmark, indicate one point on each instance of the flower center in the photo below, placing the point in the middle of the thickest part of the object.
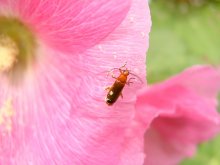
(8, 53)
(17, 47)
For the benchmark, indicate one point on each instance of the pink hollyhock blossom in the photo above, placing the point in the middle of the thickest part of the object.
(56, 113)
(180, 113)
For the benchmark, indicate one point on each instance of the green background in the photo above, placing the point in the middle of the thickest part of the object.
(184, 34)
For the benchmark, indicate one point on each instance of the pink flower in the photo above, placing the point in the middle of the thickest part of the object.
(180, 113)
(53, 65)
(52, 107)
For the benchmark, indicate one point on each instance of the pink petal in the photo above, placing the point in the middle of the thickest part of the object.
(71, 25)
(61, 116)
(180, 113)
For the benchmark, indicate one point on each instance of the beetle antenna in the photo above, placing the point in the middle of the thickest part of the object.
(117, 68)
(124, 65)
(136, 77)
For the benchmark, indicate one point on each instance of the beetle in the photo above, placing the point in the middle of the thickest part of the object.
(116, 89)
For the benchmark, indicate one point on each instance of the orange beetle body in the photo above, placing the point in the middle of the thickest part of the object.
(116, 89)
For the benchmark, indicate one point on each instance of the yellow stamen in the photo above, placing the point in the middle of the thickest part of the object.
(6, 113)
(8, 53)
(17, 49)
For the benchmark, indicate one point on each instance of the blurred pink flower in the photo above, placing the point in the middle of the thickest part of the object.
(180, 113)
(57, 114)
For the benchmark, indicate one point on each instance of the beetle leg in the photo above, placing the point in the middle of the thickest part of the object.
(120, 70)
(107, 88)
(113, 76)
(129, 81)
(121, 95)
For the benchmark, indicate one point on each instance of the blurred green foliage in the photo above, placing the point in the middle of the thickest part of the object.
(185, 34)
(179, 40)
